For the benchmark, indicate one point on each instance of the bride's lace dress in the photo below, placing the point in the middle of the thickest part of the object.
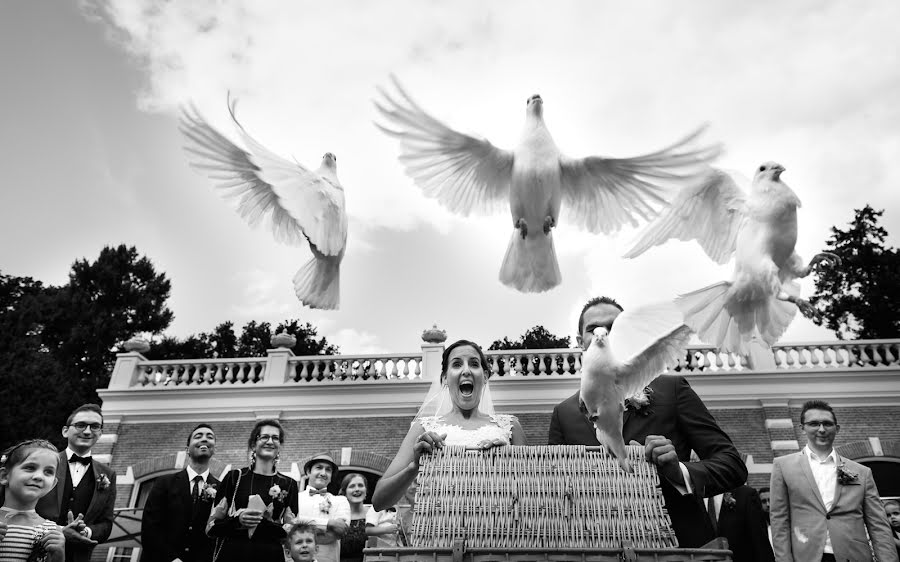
(500, 427)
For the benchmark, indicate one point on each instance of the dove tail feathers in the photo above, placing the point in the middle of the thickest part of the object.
(317, 283)
(722, 318)
(530, 264)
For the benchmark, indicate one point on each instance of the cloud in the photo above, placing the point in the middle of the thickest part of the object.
(258, 299)
(355, 342)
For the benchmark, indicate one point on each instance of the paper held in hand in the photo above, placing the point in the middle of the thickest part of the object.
(255, 503)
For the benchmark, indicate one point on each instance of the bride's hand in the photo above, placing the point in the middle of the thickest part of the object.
(428, 442)
(489, 443)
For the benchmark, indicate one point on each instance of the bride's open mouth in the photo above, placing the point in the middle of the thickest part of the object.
(467, 388)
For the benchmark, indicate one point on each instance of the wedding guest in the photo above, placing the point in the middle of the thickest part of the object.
(738, 516)
(28, 473)
(383, 525)
(824, 506)
(670, 420)
(458, 410)
(173, 525)
(330, 514)
(354, 488)
(892, 509)
(301, 540)
(85, 495)
(244, 531)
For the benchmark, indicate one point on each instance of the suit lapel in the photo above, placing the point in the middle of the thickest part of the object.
(61, 474)
(807, 471)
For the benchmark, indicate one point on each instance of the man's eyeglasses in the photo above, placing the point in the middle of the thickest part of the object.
(272, 438)
(81, 426)
(817, 425)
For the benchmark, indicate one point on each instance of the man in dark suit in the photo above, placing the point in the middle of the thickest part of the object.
(174, 521)
(674, 422)
(740, 518)
(85, 494)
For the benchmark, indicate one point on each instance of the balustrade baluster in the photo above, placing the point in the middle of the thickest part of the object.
(542, 367)
(876, 355)
(577, 363)
(406, 368)
(530, 369)
(418, 371)
(394, 371)
(143, 377)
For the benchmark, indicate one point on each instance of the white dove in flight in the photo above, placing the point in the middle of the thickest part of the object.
(302, 205)
(619, 363)
(468, 175)
(760, 230)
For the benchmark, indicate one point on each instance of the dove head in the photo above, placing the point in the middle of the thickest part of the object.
(329, 160)
(601, 336)
(769, 171)
(534, 106)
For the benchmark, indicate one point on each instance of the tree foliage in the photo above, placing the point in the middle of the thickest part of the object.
(858, 299)
(537, 337)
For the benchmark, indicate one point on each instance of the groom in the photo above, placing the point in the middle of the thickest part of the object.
(174, 521)
(673, 422)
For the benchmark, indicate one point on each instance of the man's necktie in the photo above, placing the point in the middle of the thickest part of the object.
(321, 492)
(195, 491)
(83, 460)
(711, 508)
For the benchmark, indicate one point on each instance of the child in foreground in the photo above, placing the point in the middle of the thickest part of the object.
(301, 540)
(28, 473)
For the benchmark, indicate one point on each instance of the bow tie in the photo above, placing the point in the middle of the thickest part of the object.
(83, 460)
(321, 492)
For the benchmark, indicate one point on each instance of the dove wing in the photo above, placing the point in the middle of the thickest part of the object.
(646, 341)
(300, 203)
(709, 211)
(603, 194)
(464, 173)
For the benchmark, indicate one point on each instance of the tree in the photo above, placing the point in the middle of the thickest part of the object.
(537, 337)
(858, 299)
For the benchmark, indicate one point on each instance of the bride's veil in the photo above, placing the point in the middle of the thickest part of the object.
(438, 403)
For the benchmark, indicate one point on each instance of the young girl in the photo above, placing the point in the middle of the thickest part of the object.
(28, 473)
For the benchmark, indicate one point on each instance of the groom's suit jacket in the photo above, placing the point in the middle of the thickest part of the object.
(99, 513)
(799, 518)
(677, 413)
(173, 525)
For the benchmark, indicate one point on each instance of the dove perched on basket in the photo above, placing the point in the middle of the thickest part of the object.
(620, 363)
(759, 229)
(301, 205)
(468, 175)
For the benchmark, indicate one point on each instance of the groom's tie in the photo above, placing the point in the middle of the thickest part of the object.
(195, 491)
(711, 508)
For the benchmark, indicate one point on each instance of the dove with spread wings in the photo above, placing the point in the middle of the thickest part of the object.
(619, 363)
(300, 204)
(468, 175)
(759, 229)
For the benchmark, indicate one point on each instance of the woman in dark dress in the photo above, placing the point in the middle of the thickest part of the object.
(249, 534)
(353, 486)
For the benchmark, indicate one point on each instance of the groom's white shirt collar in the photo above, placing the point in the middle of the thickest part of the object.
(191, 473)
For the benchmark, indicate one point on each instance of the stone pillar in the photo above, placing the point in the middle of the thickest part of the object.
(126, 371)
(761, 357)
(277, 363)
(432, 350)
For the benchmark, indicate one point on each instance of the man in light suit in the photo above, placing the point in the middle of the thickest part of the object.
(823, 505)
(673, 423)
(85, 494)
(173, 526)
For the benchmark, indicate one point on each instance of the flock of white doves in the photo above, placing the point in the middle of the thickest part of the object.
(674, 190)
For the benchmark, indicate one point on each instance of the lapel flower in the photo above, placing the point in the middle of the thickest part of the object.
(277, 494)
(728, 501)
(846, 477)
(103, 482)
(208, 493)
(325, 505)
(639, 402)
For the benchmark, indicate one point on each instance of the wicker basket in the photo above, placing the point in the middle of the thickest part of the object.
(550, 503)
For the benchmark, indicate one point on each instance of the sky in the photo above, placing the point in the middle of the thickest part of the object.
(92, 153)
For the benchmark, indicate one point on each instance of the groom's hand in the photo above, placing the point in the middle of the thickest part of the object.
(660, 451)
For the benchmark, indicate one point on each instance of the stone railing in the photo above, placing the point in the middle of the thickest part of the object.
(281, 367)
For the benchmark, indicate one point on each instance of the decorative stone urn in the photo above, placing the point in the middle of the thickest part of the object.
(284, 339)
(139, 345)
(434, 335)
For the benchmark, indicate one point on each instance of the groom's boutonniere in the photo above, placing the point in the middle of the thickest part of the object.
(640, 402)
(277, 494)
(846, 477)
(209, 492)
(103, 482)
(728, 501)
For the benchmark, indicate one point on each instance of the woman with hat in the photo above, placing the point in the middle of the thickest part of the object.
(330, 514)
(457, 411)
(253, 503)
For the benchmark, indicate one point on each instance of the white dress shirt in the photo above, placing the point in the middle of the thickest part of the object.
(191, 474)
(824, 472)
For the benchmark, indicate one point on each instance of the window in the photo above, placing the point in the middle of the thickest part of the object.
(123, 555)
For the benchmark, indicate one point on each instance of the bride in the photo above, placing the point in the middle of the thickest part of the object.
(457, 411)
